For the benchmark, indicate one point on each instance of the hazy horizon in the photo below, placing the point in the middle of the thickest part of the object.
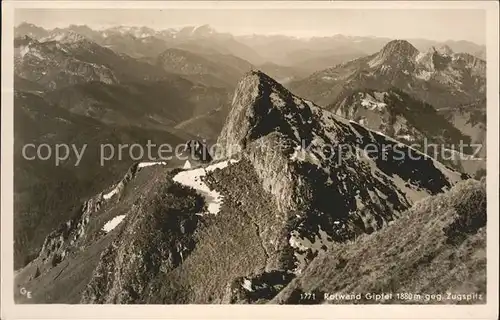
(431, 24)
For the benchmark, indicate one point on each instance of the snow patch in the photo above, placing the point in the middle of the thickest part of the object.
(302, 245)
(309, 103)
(110, 194)
(149, 164)
(376, 61)
(406, 137)
(65, 37)
(247, 285)
(328, 78)
(113, 223)
(300, 154)
(295, 154)
(299, 102)
(38, 55)
(31, 51)
(296, 242)
(193, 179)
(424, 75)
(385, 67)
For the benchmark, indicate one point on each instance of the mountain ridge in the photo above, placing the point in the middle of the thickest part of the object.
(440, 80)
(307, 202)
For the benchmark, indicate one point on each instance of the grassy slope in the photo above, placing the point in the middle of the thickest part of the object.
(233, 244)
(439, 246)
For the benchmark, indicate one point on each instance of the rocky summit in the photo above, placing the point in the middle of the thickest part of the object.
(411, 121)
(290, 183)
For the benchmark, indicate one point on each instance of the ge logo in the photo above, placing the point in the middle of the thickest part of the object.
(25, 292)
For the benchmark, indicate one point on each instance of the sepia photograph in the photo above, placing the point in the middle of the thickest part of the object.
(268, 153)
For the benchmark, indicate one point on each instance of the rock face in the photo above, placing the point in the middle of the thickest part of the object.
(416, 123)
(397, 53)
(437, 76)
(156, 239)
(70, 235)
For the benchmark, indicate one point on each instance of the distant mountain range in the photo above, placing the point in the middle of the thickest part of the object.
(311, 54)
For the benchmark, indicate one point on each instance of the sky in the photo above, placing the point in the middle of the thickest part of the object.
(433, 24)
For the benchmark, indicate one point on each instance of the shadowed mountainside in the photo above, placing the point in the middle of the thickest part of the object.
(176, 236)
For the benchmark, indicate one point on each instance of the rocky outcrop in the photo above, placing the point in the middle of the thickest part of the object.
(198, 151)
(315, 167)
(258, 289)
(69, 235)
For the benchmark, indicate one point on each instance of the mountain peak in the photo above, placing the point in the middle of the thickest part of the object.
(261, 106)
(260, 77)
(205, 27)
(293, 144)
(256, 84)
(400, 47)
(399, 53)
